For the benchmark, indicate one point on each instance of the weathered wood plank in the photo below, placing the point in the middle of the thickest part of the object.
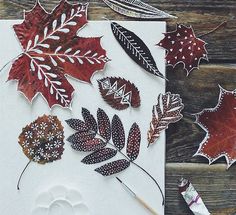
(215, 184)
(202, 15)
(200, 90)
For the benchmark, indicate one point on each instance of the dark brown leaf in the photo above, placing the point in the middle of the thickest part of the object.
(118, 133)
(80, 137)
(133, 142)
(89, 120)
(77, 125)
(89, 145)
(113, 167)
(119, 93)
(99, 156)
(104, 125)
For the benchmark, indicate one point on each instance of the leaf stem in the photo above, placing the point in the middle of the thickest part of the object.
(18, 183)
(10, 62)
(215, 29)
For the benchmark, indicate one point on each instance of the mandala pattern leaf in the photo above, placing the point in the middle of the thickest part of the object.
(184, 47)
(220, 126)
(99, 156)
(104, 125)
(52, 50)
(119, 93)
(168, 110)
(118, 133)
(113, 167)
(136, 49)
(133, 142)
(136, 9)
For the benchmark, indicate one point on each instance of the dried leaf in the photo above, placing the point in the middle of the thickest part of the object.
(99, 156)
(219, 123)
(168, 110)
(133, 142)
(52, 50)
(104, 125)
(136, 9)
(113, 167)
(89, 120)
(118, 133)
(135, 48)
(89, 145)
(77, 125)
(119, 93)
(184, 47)
(80, 137)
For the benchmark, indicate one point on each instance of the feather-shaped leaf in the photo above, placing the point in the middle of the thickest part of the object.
(168, 110)
(133, 142)
(99, 156)
(135, 48)
(118, 133)
(89, 145)
(113, 167)
(104, 125)
(80, 137)
(136, 9)
(119, 93)
(77, 125)
(89, 120)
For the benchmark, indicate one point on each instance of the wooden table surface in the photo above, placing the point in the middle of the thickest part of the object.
(216, 185)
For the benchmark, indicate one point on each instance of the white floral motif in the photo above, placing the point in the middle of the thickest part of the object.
(51, 118)
(57, 144)
(25, 144)
(50, 136)
(55, 154)
(28, 134)
(34, 127)
(40, 134)
(59, 134)
(36, 142)
(43, 125)
(41, 151)
(55, 126)
(36, 158)
(49, 146)
(47, 156)
(30, 151)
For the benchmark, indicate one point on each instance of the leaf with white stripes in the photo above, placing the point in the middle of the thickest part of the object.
(52, 50)
(137, 9)
(135, 48)
(168, 110)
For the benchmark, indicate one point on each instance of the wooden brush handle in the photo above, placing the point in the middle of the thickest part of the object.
(146, 206)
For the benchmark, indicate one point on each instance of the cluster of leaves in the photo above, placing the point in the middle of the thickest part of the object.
(95, 136)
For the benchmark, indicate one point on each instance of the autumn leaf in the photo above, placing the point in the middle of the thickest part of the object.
(52, 49)
(184, 47)
(42, 140)
(219, 123)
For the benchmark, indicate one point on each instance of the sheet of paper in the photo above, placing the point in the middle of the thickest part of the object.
(103, 196)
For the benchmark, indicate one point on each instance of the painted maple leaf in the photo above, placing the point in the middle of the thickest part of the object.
(52, 49)
(220, 124)
(184, 47)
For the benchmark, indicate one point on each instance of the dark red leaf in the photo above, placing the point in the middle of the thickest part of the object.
(184, 47)
(99, 156)
(113, 167)
(220, 126)
(119, 93)
(80, 137)
(89, 120)
(133, 142)
(104, 125)
(89, 145)
(52, 49)
(118, 133)
(77, 125)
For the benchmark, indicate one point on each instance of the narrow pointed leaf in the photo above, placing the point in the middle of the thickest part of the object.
(133, 142)
(118, 133)
(77, 125)
(113, 167)
(135, 48)
(89, 120)
(99, 156)
(104, 125)
(80, 137)
(89, 145)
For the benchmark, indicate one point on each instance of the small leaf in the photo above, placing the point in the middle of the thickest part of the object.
(136, 49)
(89, 120)
(80, 137)
(133, 142)
(104, 125)
(113, 167)
(89, 145)
(119, 93)
(77, 125)
(118, 133)
(99, 156)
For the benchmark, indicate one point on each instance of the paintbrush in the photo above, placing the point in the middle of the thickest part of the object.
(144, 204)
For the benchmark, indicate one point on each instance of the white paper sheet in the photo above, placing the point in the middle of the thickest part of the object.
(103, 196)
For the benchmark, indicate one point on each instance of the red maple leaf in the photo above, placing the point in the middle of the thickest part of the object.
(52, 49)
(183, 47)
(220, 124)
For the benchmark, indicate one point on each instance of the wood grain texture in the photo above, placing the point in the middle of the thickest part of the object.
(215, 184)
(203, 15)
